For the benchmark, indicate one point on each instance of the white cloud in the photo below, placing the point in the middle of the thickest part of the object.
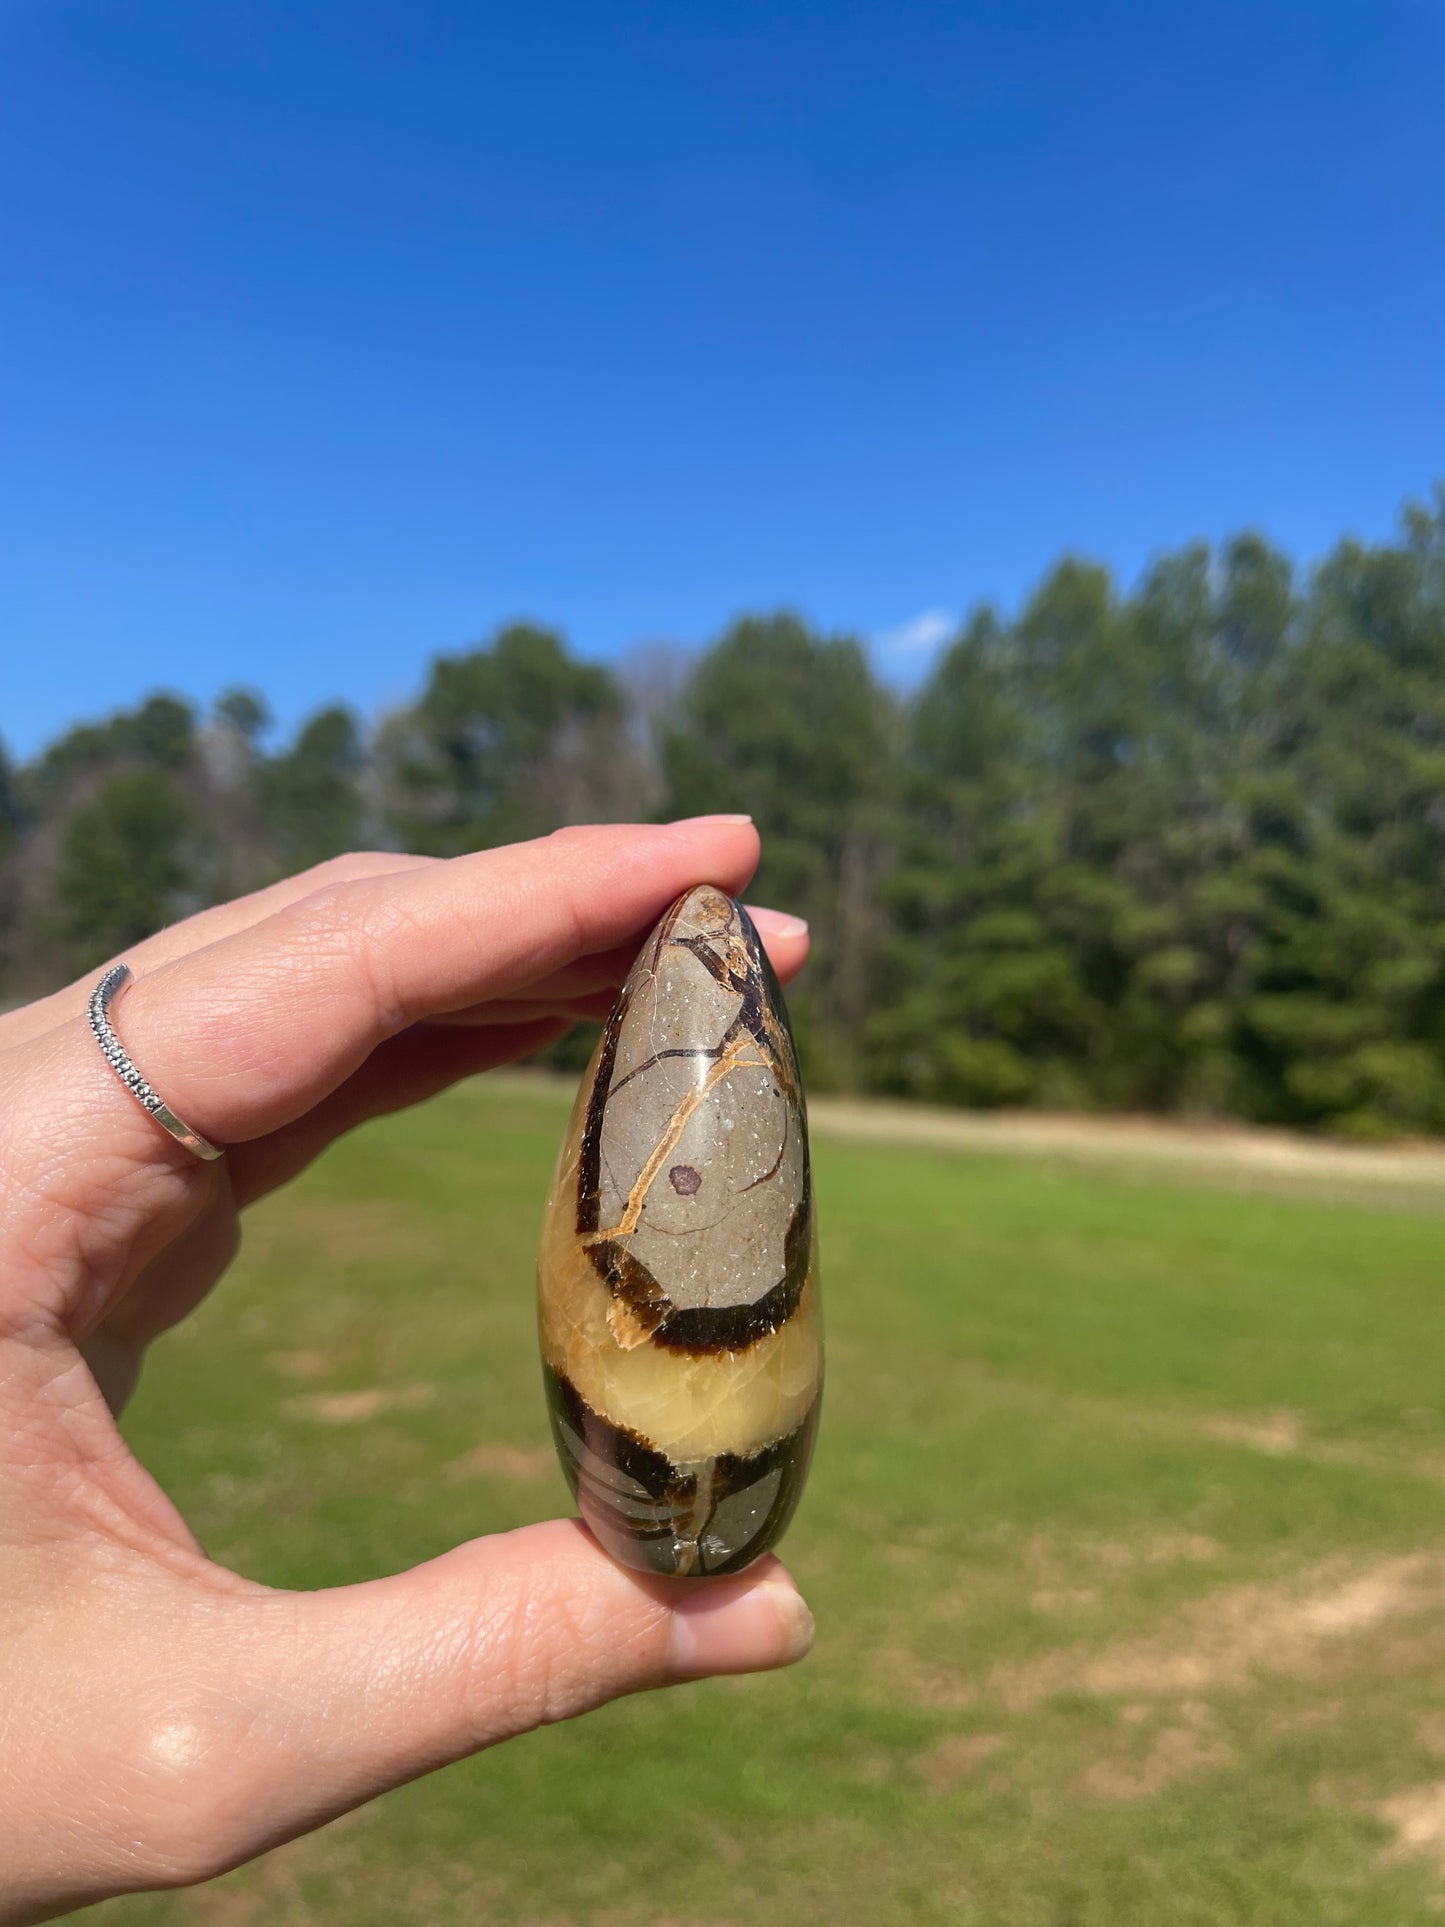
(919, 634)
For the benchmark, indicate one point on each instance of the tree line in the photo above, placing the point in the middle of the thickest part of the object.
(1177, 849)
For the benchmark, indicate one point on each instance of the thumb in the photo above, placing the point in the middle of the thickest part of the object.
(340, 1695)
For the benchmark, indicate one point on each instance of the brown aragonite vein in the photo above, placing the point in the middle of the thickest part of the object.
(589, 1165)
(701, 1053)
(720, 969)
(777, 1163)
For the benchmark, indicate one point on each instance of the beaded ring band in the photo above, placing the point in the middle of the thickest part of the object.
(101, 998)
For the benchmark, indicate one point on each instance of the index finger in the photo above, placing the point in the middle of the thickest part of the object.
(248, 1033)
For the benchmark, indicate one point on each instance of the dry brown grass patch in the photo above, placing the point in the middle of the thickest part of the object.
(1150, 1761)
(1063, 1600)
(1065, 1562)
(1277, 1434)
(956, 1757)
(301, 1364)
(943, 1689)
(1234, 1632)
(1417, 1817)
(357, 1408)
(515, 1462)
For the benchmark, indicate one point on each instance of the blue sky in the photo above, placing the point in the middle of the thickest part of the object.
(332, 335)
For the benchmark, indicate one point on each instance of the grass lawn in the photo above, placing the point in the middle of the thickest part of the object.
(1126, 1540)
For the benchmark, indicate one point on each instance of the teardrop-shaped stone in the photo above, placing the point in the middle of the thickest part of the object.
(681, 1336)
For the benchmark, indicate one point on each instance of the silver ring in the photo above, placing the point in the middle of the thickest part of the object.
(101, 998)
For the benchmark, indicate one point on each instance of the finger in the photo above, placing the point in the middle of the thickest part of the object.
(576, 985)
(430, 1057)
(593, 1007)
(206, 926)
(334, 1697)
(245, 1035)
(404, 1071)
(785, 938)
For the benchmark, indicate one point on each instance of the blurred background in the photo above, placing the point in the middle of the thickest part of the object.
(997, 446)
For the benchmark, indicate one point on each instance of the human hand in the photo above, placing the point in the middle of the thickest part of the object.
(163, 1719)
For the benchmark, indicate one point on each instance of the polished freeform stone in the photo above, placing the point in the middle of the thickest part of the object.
(681, 1337)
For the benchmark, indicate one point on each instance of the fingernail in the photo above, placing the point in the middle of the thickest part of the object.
(687, 822)
(769, 1625)
(795, 1619)
(777, 923)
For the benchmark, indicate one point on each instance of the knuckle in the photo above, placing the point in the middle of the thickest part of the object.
(572, 836)
(553, 1651)
(346, 941)
(350, 866)
(327, 955)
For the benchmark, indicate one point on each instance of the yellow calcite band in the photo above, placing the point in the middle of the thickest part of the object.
(686, 1407)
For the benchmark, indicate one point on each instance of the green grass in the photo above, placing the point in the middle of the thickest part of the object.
(1105, 1540)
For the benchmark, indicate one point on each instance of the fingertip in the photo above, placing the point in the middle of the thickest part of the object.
(785, 938)
(777, 925)
(747, 1625)
(733, 831)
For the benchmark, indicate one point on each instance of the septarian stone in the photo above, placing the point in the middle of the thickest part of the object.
(681, 1339)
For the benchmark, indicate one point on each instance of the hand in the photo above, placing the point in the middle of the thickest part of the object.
(162, 1719)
